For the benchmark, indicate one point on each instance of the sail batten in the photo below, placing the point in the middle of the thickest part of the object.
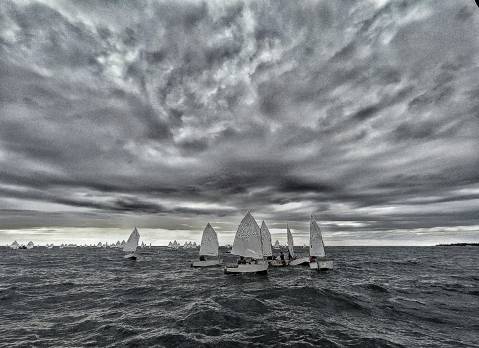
(266, 240)
(132, 242)
(316, 247)
(290, 241)
(248, 241)
(209, 242)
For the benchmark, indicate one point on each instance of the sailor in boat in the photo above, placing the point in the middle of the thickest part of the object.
(281, 257)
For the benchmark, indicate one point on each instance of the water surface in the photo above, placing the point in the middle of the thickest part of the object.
(375, 297)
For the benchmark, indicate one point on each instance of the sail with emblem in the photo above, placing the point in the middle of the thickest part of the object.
(247, 241)
(209, 242)
(132, 242)
(266, 240)
(290, 241)
(316, 247)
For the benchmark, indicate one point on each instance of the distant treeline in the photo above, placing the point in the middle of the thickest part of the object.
(459, 244)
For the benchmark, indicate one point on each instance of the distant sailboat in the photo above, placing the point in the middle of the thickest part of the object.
(131, 245)
(15, 245)
(266, 240)
(316, 248)
(276, 245)
(30, 245)
(290, 241)
(299, 260)
(266, 235)
(175, 245)
(209, 247)
(248, 244)
(50, 246)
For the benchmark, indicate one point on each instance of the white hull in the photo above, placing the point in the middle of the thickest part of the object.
(131, 256)
(278, 263)
(300, 261)
(322, 265)
(248, 268)
(207, 263)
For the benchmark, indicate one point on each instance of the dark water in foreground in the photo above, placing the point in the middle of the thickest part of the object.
(376, 297)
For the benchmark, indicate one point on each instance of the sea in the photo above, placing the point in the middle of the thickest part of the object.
(374, 297)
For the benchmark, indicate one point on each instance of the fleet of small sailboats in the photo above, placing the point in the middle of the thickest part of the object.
(252, 244)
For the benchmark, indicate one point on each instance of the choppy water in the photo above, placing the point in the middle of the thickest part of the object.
(376, 297)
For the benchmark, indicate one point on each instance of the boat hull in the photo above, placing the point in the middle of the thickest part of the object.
(278, 263)
(130, 256)
(321, 265)
(300, 261)
(324, 265)
(206, 263)
(261, 268)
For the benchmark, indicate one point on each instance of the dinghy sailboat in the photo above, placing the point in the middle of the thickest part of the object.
(209, 247)
(248, 244)
(266, 241)
(276, 245)
(279, 261)
(131, 245)
(317, 254)
(30, 245)
(15, 245)
(290, 242)
(295, 261)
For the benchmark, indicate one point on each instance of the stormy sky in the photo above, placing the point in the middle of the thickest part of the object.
(171, 114)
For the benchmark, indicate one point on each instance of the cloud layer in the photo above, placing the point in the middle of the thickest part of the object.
(168, 113)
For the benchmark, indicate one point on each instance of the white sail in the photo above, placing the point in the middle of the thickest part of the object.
(132, 242)
(247, 241)
(14, 245)
(30, 245)
(276, 244)
(316, 245)
(266, 239)
(209, 242)
(290, 241)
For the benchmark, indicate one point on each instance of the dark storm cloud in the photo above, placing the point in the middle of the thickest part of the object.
(361, 112)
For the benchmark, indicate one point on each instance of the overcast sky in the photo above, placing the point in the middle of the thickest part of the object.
(171, 114)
